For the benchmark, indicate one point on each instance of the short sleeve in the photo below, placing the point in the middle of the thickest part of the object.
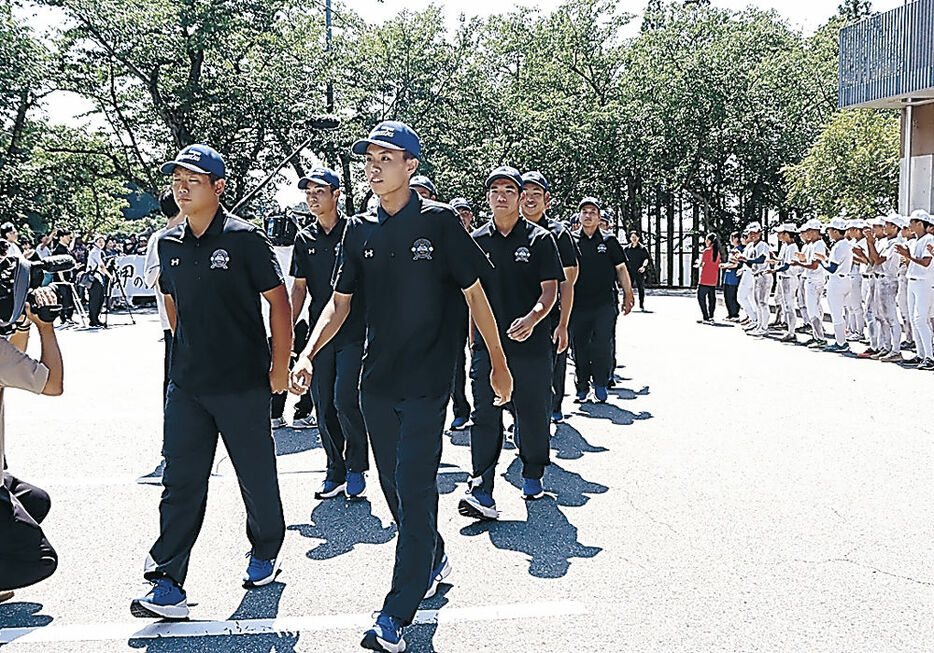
(548, 261)
(17, 370)
(347, 263)
(567, 250)
(466, 261)
(299, 267)
(151, 272)
(262, 263)
(615, 250)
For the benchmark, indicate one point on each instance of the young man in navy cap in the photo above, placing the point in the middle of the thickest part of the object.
(522, 287)
(335, 386)
(537, 200)
(213, 269)
(423, 186)
(459, 394)
(602, 266)
(414, 263)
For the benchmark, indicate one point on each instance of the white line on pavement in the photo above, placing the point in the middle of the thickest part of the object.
(102, 481)
(126, 631)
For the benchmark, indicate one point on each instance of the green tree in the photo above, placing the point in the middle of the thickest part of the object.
(852, 167)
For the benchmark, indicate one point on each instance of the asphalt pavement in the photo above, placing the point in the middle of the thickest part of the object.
(734, 494)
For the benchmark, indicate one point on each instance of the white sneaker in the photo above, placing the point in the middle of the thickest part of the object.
(279, 422)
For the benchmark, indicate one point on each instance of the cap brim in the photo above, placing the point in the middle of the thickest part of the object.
(304, 181)
(361, 146)
(495, 178)
(169, 167)
(536, 183)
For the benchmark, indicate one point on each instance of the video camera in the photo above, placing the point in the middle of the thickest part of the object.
(283, 227)
(19, 279)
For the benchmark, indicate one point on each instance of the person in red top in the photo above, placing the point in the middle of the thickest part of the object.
(709, 265)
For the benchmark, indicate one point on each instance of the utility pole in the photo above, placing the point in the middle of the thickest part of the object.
(327, 49)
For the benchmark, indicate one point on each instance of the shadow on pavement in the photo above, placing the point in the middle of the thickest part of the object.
(259, 603)
(448, 480)
(569, 444)
(420, 637)
(626, 393)
(343, 525)
(22, 615)
(289, 441)
(570, 489)
(547, 537)
(613, 413)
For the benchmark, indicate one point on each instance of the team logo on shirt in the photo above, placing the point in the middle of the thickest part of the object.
(422, 249)
(368, 253)
(522, 255)
(174, 262)
(601, 249)
(219, 259)
(311, 250)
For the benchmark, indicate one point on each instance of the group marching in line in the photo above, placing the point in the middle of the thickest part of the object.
(396, 296)
(877, 276)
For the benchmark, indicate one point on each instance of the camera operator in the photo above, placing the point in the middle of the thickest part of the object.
(26, 557)
(100, 277)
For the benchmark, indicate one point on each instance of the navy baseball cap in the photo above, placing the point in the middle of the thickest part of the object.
(589, 200)
(537, 178)
(461, 203)
(392, 135)
(197, 158)
(423, 182)
(505, 172)
(322, 177)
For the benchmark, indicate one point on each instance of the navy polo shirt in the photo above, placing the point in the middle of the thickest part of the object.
(596, 276)
(522, 260)
(220, 343)
(411, 268)
(567, 250)
(314, 258)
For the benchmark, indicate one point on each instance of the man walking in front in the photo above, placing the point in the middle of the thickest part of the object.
(413, 261)
(213, 269)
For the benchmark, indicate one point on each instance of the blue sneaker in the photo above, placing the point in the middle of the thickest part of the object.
(478, 504)
(330, 489)
(165, 600)
(599, 391)
(835, 348)
(260, 572)
(438, 574)
(385, 635)
(459, 423)
(532, 489)
(356, 486)
(557, 417)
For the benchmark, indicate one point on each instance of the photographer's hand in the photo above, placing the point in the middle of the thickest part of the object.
(51, 354)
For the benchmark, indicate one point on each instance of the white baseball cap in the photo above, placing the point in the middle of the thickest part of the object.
(813, 223)
(839, 224)
(787, 228)
(922, 215)
(753, 226)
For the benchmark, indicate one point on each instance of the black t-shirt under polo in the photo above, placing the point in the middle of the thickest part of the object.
(411, 267)
(596, 276)
(314, 258)
(522, 260)
(215, 281)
